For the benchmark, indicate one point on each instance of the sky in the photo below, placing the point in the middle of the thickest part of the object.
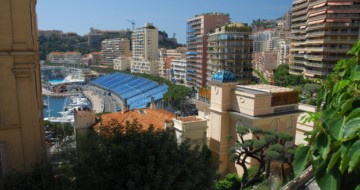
(169, 16)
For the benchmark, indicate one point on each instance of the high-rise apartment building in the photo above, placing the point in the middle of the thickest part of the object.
(323, 31)
(263, 40)
(145, 54)
(196, 37)
(230, 48)
(114, 48)
(22, 141)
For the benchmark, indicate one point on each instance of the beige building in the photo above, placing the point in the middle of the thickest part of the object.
(145, 54)
(197, 29)
(64, 57)
(265, 63)
(114, 48)
(22, 141)
(166, 57)
(229, 105)
(323, 31)
(192, 128)
(83, 120)
(230, 48)
(122, 63)
(141, 65)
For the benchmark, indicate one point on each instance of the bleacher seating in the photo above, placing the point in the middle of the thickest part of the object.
(138, 91)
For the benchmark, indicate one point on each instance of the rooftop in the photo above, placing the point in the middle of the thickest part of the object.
(145, 117)
(266, 88)
(189, 119)
(224, 76)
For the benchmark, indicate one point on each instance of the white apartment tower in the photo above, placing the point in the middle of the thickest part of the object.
(145, 44)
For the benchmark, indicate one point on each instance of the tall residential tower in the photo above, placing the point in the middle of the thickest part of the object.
(323, 31)
(230, 48)
(145, 54)
(197, 29)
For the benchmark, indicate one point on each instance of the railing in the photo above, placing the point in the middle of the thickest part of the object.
(299, 181)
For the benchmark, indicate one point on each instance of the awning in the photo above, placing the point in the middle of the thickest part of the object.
(318, 13)
(309, 74)
(319, 5)
(316, 22)
(340, 3)
(339, 20)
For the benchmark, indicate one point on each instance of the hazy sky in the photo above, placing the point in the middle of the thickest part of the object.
(170, 16)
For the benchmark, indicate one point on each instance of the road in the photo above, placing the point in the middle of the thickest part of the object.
(111, 103)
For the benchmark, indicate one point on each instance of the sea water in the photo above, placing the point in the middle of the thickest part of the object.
(55, 105)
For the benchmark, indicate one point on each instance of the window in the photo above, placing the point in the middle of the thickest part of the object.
(240, 123)
(2, 160)
(290, 123)
(275, 125)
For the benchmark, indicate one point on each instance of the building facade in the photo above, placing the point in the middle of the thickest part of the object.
(114, 48)
(122, 63)
(178, 71)
(145, 54)
(230, 48)
(230, 105)
(323, 31)
(22, 141)
(166, 58)
(197, 29)
(64, 57)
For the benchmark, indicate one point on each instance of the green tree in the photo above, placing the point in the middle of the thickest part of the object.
(129, 157)
(59, 130)
(231, 181)
(283, 78)
(334, 144)
(266, 146)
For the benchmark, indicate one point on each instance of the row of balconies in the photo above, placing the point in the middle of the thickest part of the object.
(229, 45)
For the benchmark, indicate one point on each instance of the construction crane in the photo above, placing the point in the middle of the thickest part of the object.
(131, 22)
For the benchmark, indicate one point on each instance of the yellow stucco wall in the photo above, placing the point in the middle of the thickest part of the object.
(21, 126)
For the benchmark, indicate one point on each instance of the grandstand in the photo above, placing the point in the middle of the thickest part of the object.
(136, 90)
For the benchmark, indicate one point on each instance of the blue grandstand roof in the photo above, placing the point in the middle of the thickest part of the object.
(136, 90)
(224, 76)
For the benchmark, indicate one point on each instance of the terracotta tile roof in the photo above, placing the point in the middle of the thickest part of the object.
(96, 52)
(55, 52)
(145, 117)
(72, 52)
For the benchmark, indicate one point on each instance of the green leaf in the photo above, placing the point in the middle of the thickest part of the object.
(355, 73)
(344, 159)
(351, 128)
(357, 187)
(323, 144)
(339, 86)
(354, 155)
(334, 159)
(300, 160)
(327, 180)
(345, 106)
(353, 114)
(335, 125)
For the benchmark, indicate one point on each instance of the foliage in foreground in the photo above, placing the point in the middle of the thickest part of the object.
(334, 144)
(231, 181)
(124, 157)
(266, 146)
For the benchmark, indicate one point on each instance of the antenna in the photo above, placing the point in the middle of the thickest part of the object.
(132, 22)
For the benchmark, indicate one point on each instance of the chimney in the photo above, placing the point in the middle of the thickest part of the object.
(152, 104)
(124, 106)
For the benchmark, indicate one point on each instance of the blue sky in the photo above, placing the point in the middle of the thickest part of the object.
(170, 16)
